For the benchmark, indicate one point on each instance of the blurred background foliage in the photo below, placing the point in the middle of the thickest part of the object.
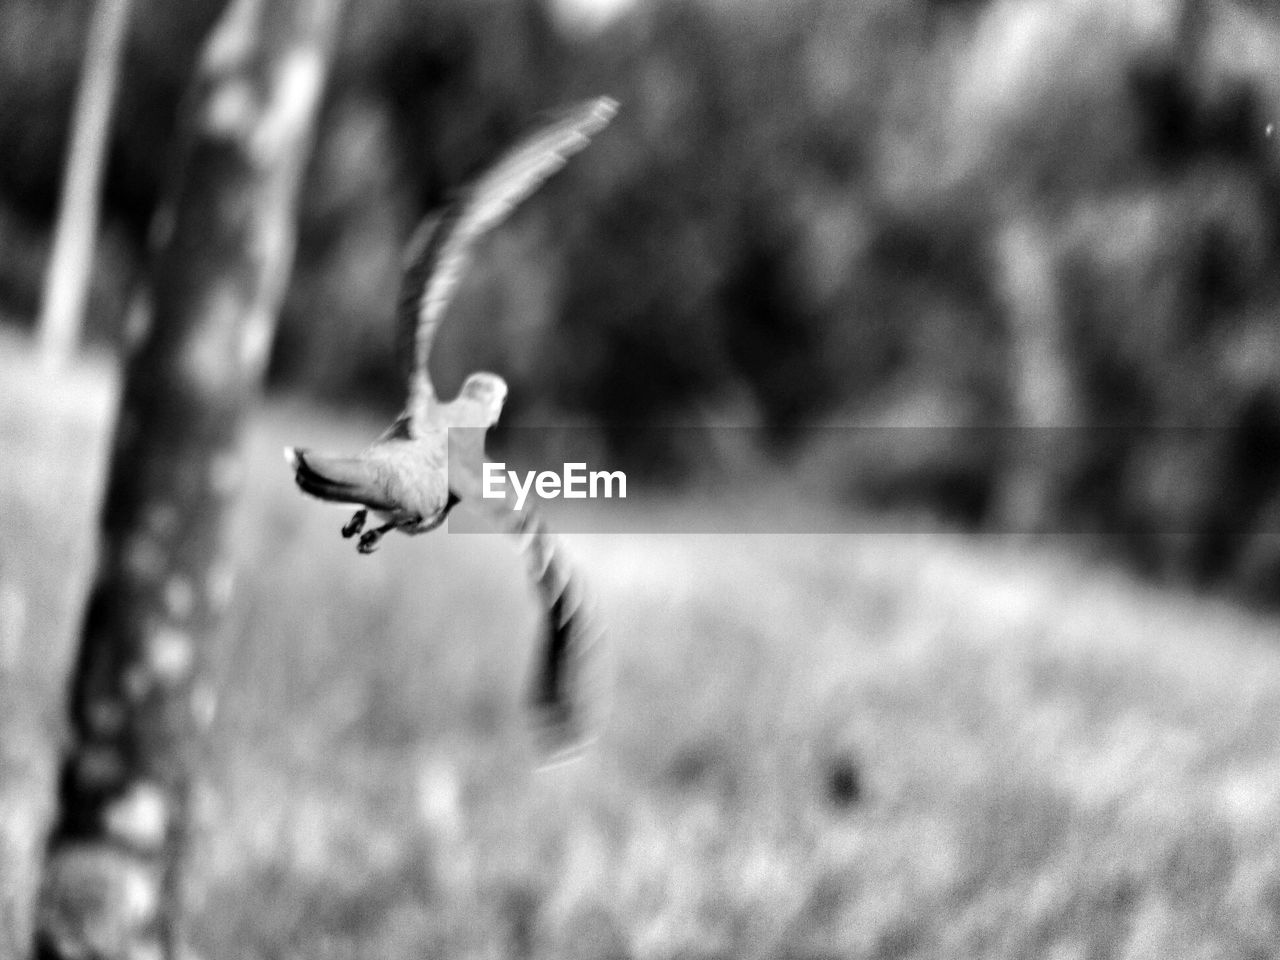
(1016, 223)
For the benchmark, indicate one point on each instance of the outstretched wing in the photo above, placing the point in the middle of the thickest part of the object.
(570, 693)
(441, 248)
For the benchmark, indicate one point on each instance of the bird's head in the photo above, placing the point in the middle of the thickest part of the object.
(484, 394)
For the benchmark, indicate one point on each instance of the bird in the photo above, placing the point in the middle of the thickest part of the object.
(431, 457)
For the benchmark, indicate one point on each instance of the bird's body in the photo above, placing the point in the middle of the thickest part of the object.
(404, 477)
(431, 456)
(402, 480)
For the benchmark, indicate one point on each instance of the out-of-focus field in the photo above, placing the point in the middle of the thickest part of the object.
(821, 746)
(53, 439)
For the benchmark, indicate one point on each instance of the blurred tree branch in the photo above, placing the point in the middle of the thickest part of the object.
(71, 261)
(223, 240)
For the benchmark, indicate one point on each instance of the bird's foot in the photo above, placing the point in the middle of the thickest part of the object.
(355, 524)
(369, 539)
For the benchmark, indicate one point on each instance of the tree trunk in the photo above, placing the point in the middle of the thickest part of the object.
(223, 245)
(1045, 400)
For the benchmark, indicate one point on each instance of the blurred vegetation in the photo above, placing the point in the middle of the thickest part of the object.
(822, 746)
(823, 212)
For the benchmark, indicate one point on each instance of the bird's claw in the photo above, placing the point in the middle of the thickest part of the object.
(355, 524)
(369, 541)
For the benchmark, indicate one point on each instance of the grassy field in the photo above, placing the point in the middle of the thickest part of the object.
(53, 431)
(821, 746)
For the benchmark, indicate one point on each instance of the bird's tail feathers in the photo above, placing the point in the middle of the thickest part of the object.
(339, 479)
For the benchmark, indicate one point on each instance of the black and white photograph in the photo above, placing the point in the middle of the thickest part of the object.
(640, 480)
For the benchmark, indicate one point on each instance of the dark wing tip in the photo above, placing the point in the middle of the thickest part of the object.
(560, 734)
(556, 752)
(568, 702)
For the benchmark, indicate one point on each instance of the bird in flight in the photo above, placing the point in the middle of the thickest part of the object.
(432, 455)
